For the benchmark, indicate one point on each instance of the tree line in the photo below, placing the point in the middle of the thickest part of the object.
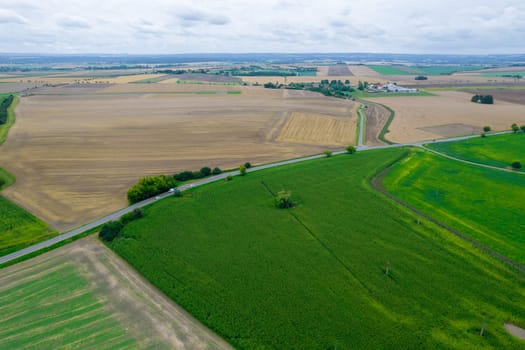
(4, 106)
(150, 186)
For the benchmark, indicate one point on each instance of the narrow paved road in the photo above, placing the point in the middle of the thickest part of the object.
(118, 214)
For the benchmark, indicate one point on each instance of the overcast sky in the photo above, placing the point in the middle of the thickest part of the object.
(199, 26)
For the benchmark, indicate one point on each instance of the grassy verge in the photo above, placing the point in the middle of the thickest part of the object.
(315, 276)
(4, 129)
(385, 130)
(482, 203)
(495, 150)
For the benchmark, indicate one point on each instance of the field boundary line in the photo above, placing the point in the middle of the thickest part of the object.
(389, 121)
(470, 162)
(377, 184)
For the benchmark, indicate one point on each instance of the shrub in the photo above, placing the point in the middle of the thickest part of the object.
(206, 171)
(197, 175)
(516, 165)
(216, 171)
(150, 186)
(229, 178)
(247, 165)
(515, 127)
(486, 128)
(129, 217)
(184, 176)
(177, 193)
(483, 134)
(421, 77)
(350, 149)
(242, 170)
(110, 230)
(327, 153)
(284, 199)
(484, 99)
(522, 128)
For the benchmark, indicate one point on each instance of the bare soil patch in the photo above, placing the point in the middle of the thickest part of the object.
(339, 70)
(212, 78)
(75, 155)
(507, 95)
(515, 330)
(151, 317)
(319, 129)
(376, 117)
(414, 113)
(450, 130)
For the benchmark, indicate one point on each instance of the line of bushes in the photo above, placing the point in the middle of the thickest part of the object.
(483, 99)
(150, 186)
(4, 107)
(111, 230)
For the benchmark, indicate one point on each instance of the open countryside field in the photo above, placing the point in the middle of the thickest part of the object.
(480, 202)
(75, 154)
(508, 95)
(376, 117)
(313, 277)
(82, 296)
(495, 150)
(449, 113)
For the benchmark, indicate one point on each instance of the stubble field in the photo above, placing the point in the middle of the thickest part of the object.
(450, 113)
(75, 154)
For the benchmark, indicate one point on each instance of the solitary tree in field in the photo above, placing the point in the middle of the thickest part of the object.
(284, 199)
(515, 127)
(350, 149)
(516, 165)
(486, 128)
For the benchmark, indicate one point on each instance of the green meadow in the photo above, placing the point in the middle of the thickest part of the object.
(345, 268)
(486, 204)
(495, 150)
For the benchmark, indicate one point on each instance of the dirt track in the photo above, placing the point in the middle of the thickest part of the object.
(148, 314)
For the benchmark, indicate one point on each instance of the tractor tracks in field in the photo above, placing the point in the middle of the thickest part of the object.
(377, 184)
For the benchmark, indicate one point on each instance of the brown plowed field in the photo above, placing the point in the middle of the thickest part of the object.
(417, 115)
(74, 156)
(507, 95)
(339, 70)
(319, 129)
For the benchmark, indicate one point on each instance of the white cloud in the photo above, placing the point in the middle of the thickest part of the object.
(182, 26)
(9, 16)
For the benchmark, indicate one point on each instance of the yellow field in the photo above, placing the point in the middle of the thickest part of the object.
(75, 154)
(450, 113)
(319, 129)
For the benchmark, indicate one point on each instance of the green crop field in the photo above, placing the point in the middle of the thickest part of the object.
(495, 150)
(18, 228)
(56, 310)
(503, 73)
(390, 70)
(421, 70)
(313, 276)
(483, 203)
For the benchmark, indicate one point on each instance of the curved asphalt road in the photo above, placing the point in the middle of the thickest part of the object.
(118, 214)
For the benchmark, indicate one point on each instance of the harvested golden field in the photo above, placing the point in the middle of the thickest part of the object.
(319, 129)
(125, 79)
(449, 113)
(74, 156)
(83, 296)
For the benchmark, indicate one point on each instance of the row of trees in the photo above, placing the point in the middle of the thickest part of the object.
(4, 106)
(150, 186)
(111, 230)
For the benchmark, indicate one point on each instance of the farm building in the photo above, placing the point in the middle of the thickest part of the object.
(389, 87)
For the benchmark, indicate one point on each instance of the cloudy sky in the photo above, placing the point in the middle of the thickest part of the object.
(198, 26)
